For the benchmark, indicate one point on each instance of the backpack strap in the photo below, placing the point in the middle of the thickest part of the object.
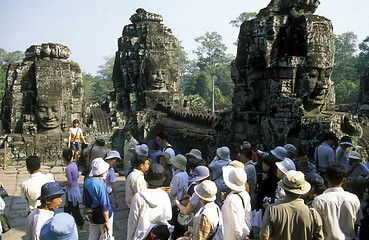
(243, 203)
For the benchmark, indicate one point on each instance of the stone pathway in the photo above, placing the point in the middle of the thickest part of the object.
(16, 211)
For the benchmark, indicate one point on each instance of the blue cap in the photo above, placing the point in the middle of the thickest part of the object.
(60, 227)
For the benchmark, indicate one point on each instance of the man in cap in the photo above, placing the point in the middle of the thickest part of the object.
(236, 209)
(150, 208)
(341, 152)
(112, 157)
(50, 198)
(291, 219)
(97, 150)
(128, 151)
(135, 181)
(96, 197)
(324, 153)
(338, 209)
(30, 189)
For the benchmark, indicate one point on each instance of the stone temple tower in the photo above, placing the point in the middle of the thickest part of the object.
(146, 69)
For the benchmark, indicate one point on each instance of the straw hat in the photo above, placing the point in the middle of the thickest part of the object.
(237, 164)
(98, 167)
(279, 152)
(294, 182)
(234, 178)
(206, 190)
(286, 165)
(179, 162)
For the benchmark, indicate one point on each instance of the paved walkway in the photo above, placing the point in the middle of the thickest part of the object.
(16, 211)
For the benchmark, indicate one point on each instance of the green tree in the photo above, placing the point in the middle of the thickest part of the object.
(212, 62)
(95, 88)
(241, 18)
(5, 59)
(363, 57)
(105, 71)
(344, 75)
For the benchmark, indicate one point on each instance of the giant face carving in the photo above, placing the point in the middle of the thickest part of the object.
(48, 114)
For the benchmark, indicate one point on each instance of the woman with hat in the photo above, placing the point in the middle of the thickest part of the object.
(95, 196)
(341, 152)
(194, 159)
(178, 187)
(198, 175)
(164, 160)
(207, 221)
(236, 209)
(50, 199)
(75, 138)
(73, 193)
(221, 159)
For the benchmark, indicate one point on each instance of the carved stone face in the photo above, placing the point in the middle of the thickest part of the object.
(157, 79)
(318, 85)
(48, 114)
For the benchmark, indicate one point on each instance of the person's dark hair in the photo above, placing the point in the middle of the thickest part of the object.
(335, 174)
(138, 160)
(33, 163)
(318, 189)
(270, 161)
(67, 154)
(162, 135)
(345, 139)
(193, 163)
(246, 152)
(330, 136)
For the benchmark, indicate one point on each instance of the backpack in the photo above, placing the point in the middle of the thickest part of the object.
(176, 152)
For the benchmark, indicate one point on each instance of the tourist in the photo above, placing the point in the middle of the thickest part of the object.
(50, 198)
(282, 168)
(128, 151)
(207, 221)
(142, 150)
(75, 138)
(178, 186)
(291, 219)
(30, 189)
(73, 193)
(135, 181)
(247, 145)
(194, 159)
(324, 153)
(150, 209)
(291, 151)
(267, 187)
(95, 197)
(357, 170)
(279, 153)
(221, 159)
(338, 209)
(162, 139)
(155, 150)
(304, 165)
(60, 227)
(97, 150)
(244, 156)
(317, 188)
(236, 209)
(164, 160)
(110, 179)
(341, 152)
(191, 205)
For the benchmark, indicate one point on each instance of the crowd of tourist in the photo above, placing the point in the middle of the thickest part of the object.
(279, 194)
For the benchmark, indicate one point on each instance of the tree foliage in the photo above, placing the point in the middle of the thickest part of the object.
(5, 59)
(212, 63)
(96, 89)
(349, 66)
(241, 18)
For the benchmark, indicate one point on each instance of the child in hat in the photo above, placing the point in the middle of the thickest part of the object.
(50, 199)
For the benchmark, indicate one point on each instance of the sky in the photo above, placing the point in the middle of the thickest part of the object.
(91, 28)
